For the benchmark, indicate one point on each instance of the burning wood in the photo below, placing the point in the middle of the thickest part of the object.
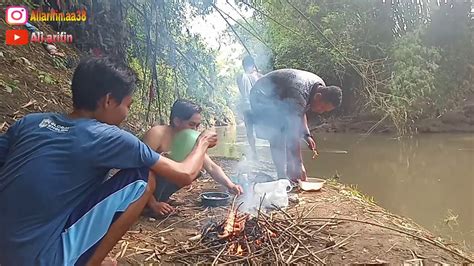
(242, 233)
(241, 238)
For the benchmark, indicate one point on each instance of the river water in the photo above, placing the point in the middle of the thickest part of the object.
(428, 178)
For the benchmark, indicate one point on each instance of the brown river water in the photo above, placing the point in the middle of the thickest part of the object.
(428, 178)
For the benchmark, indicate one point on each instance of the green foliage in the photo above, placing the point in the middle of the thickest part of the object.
(401, 59)
(45, 78)
(153, 37)
(413, 79)
(452, 33)
(185, 67)
(9, 86)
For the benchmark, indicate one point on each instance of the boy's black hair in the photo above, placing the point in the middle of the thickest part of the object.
(95, 77)
(183, 109)
(248, 62)
(331, 94)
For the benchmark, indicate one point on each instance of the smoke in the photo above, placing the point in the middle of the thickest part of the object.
(278, 102)
(261, 188)
(277, 122)
(244, 168)
(263, 195)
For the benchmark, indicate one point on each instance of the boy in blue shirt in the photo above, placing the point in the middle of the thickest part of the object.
(55, 208)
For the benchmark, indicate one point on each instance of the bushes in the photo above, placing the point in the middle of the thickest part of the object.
(412, 82)
(403, 60)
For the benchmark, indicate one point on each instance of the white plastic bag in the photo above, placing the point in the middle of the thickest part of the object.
(274, 193)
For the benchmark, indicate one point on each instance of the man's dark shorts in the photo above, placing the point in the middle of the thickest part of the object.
(164, 188)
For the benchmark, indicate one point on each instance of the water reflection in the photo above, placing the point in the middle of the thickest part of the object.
(426, 178)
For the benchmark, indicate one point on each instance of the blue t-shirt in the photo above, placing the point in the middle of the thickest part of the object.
(49, 163)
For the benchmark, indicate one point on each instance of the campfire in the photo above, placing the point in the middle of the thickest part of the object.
(240, 233)
(243, 238)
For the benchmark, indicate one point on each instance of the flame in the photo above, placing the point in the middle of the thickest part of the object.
(240, 250)
(236, 249)
(231, 247)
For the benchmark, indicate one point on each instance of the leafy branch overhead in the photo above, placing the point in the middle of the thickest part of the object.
(154, 38)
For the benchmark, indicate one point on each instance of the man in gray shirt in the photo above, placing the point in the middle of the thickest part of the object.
(279, 101)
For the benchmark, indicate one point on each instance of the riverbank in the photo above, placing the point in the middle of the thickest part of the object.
(355, 229)
(458, 120)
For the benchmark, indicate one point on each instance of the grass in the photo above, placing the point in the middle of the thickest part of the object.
(349, 190)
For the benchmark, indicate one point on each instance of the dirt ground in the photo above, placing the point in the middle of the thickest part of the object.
(159, 240)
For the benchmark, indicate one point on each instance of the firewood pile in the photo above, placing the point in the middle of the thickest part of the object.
(275, 238)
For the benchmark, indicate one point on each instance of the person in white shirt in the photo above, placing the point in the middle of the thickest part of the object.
(245, 82)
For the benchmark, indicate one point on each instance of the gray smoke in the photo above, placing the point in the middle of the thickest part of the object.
(247, 168)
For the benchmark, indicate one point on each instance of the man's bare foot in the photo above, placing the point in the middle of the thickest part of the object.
(162, 208)
(109, 262)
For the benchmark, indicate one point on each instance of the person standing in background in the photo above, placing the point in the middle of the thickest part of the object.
(245, 82)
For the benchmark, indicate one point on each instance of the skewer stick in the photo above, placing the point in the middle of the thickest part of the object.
(315, 152)
(233, 203)
(260, 207)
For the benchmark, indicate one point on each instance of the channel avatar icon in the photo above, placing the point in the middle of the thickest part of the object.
(16, 15)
